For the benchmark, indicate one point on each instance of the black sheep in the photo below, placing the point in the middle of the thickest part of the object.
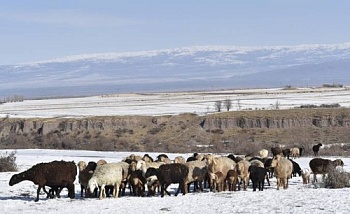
(170, 174)
(53, 174)
(268, 167)
(296, 169)
(257, 176)
(316, 148)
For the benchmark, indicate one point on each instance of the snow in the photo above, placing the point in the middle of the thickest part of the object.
(298, 198)
(200, 103)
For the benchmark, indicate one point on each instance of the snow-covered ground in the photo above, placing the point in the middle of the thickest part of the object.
(175, 103)
(298, 198)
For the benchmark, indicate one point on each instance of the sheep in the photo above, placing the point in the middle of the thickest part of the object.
(161, 157)
(257, 176)
(258, 163)
(323, 166)
(234, 158)
(179, 159)
(197, 173)
(172, 173)
(219, 164)
(107, 174)
(283, 170)
(152, 181)
(84, 176)
(132, 157)
(276, 151)
(232, 180)
(268, 167)
(143, 166)
(294, 152)
(218, 181)
(101, 162)
(136, 180)
(286, 153)
(316, 148)
(296, 169)
(147, 158)
(81, 165)
(263, 153)
(305, 174)
(55, 173)
(243, 172)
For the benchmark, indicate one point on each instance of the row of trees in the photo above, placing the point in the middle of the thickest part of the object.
(15, 98)
(227, 104)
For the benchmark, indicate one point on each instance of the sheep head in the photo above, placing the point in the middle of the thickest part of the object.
(140, 164)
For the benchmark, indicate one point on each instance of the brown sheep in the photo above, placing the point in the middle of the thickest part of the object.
(136, 180)
(232, 180)
(55, 174)
(276, 151)
(283, 170)
(323, 166)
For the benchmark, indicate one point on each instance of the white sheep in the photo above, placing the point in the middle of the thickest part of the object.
(110, 174)
(263, 153)
(283, 170)
(305, 174)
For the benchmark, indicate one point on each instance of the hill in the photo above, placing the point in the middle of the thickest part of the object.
(190, 68)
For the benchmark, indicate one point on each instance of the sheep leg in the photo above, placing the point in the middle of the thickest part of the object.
(102, 192)
(267, 179)
(37, 193)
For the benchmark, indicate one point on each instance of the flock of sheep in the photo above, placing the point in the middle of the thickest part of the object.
(145, 176)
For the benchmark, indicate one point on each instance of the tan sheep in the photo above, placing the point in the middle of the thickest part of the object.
(283, 170)
(219, 164)
(101, 162)
(242, 169)
(218, 181)
(179, 159)
(294, 152)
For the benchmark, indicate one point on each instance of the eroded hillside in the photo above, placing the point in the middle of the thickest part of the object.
(236, 131)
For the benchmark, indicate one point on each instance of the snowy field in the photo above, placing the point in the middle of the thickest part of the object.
(174, 103)
(298, 198)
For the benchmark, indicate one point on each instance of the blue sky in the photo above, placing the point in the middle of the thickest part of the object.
(32, 30)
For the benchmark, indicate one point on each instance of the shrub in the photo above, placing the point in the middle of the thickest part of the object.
(8, 162)
(337, 178)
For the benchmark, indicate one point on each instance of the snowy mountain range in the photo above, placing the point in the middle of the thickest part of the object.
(189, 68)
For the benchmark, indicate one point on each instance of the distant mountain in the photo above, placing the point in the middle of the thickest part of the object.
(190, 68)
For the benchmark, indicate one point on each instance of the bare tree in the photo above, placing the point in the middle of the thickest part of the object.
(239, 104)
(218, 105)
(228, 104)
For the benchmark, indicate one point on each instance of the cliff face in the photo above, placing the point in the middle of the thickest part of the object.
(179, 133)
(276, 123)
